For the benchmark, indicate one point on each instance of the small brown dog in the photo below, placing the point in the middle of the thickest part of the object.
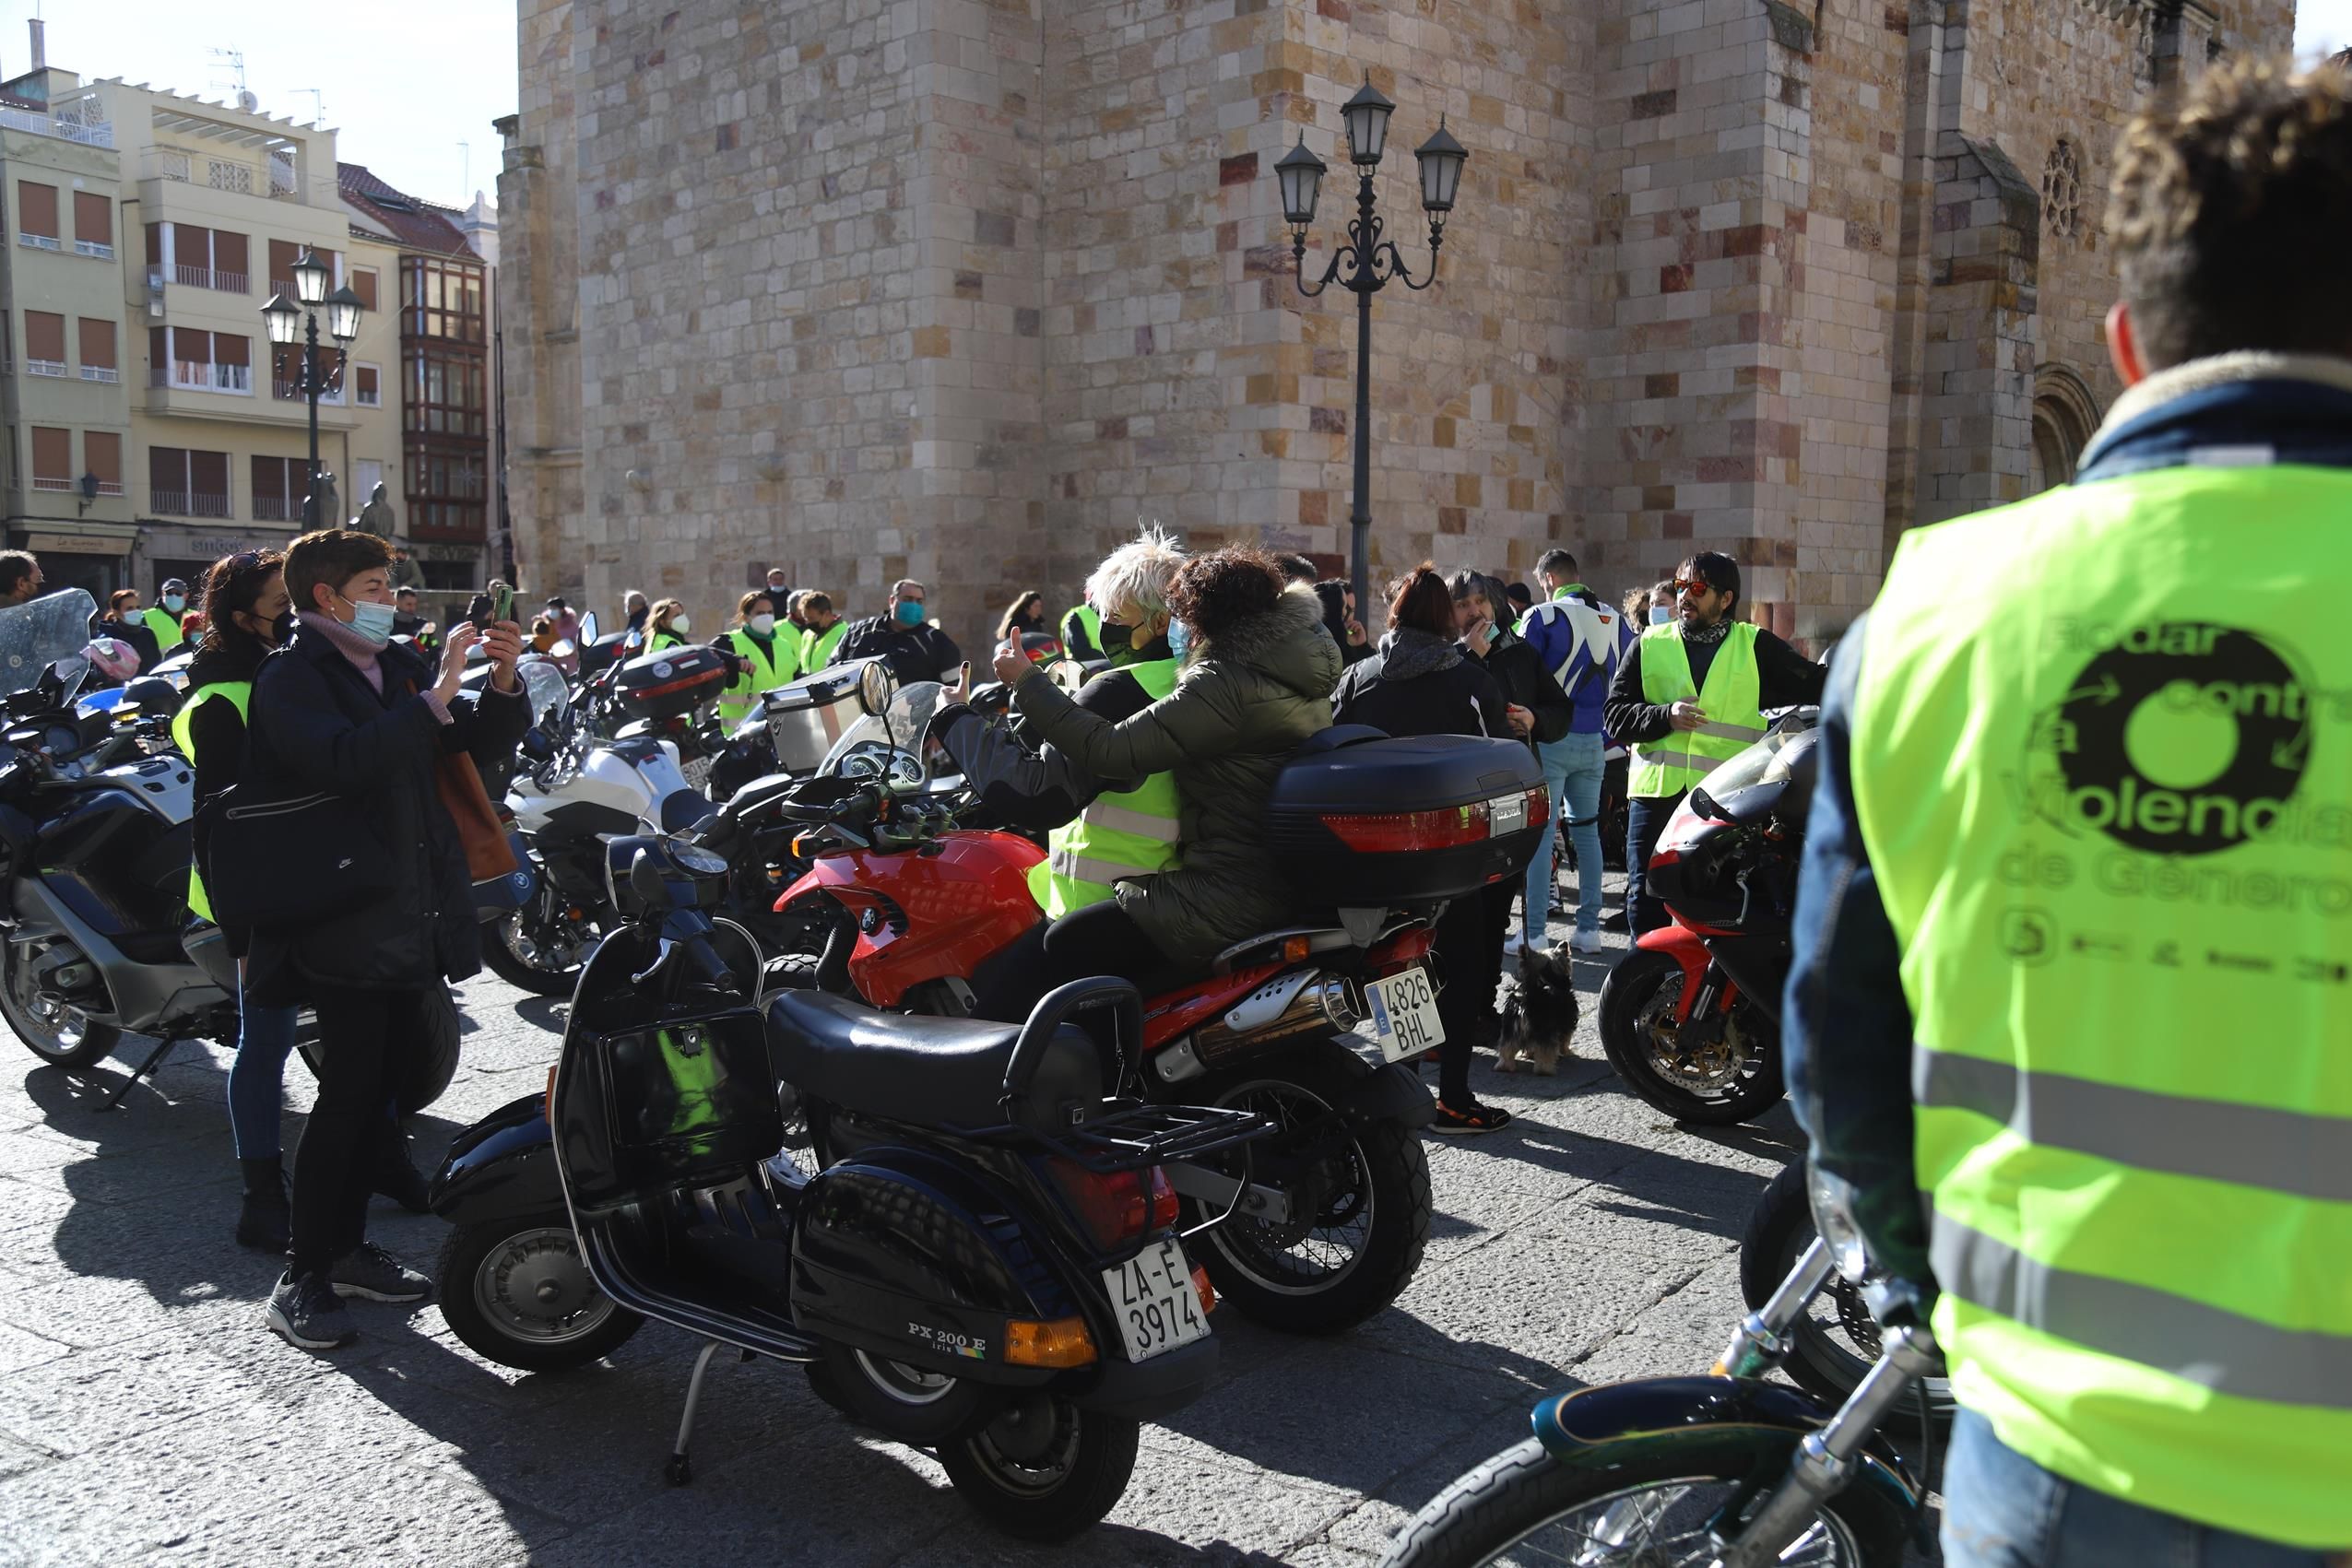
(1540, 1019)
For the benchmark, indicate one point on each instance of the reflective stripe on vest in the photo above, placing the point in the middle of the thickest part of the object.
(1117, 836)
(2108, 836)
(763, 670)
(238, 694)
(1676, 760)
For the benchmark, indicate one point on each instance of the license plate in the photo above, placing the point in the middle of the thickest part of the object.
(1404, 1014)
(1157, 1307)
(1506, 814)
(697, 772)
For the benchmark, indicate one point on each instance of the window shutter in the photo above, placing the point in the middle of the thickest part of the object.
(44, 335)
(52, 454)
(37, 209)
(191, 246)
(97, 343)
(364, 382)
(229, 255)
(102, 452)
(281, 268)
(167, 468)
(363, 284)
(208, 473)
(158, 349)
(228, 348)
(93, 217)
(192, 344)
(154, 246)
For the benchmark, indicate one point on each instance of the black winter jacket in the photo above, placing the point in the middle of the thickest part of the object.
(1436, 690)
(316, 723)
(1519, 670)
(915, 653)
(1025, 782)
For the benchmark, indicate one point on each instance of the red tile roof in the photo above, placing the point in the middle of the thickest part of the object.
(412, 222)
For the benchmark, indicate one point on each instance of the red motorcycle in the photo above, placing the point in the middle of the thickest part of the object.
(1330, 1215)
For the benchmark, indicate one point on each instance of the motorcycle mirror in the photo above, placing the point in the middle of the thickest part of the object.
(874, 689)
(587, 629)
(1708, 807)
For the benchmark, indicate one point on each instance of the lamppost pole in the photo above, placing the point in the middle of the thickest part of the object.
(289, 322)
(311, 387)
(1365, 264)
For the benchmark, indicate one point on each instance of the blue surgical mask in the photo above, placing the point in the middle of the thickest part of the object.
(1179, 638)
(370, 620)
(174, 603)
(910, 612)
(1661, 615)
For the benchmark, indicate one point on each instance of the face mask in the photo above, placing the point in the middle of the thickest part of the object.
(1660, 615)
(1179, 638)
(681, 623)
(371, 621)
(762, 624)
(910, 612)
(281, 631)
(1116, 634)
(174, 603)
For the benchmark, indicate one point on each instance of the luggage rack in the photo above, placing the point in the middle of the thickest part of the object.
(1134, 1135)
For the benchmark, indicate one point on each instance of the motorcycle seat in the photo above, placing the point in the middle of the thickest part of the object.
(932, 1071)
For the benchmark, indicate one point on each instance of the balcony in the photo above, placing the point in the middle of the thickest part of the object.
(197, 376)
(110, 487)
(205, 277)
(189, 503)
(45, 367)
(96, 248)
(291, 391)
(274, 177)
(106, 374)
(40, 241)
(277, 509)
(64, 127)
(42, 482)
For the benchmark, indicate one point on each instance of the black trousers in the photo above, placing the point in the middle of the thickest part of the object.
(1470, 960)
(364, 1040)
(1102, 939)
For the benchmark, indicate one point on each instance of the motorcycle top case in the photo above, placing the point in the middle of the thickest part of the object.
(806, 717)
(671, 683)
(1359, 819)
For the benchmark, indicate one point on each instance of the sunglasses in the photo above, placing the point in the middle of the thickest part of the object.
(1693, 585)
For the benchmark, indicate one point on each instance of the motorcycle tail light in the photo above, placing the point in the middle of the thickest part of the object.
(1116, 1205)
(1163, 1200)
(1063, 1343)
(1447, 827)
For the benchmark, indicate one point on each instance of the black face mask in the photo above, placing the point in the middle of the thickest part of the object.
(1117, 637)
(283, 627)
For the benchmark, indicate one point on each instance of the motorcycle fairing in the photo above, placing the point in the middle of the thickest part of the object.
(974, 893)
(500, 1167)
(1688, 949)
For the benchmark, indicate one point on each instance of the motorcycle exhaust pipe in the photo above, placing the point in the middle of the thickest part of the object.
(1328, 1003)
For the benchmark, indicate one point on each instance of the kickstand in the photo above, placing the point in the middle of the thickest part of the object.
(679, 1471)
(154, 1060)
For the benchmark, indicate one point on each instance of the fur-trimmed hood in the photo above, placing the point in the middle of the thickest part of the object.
(1288, 644)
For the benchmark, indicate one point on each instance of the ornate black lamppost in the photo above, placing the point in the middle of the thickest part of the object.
(1366, 264)
(287, 322)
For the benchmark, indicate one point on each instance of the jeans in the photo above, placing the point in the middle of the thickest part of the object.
(1572, 771)
(1644, 819)
(364, 1036)
(257, 1077)
(2001, 1510)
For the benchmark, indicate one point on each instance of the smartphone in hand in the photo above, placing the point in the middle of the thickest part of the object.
(501, 602)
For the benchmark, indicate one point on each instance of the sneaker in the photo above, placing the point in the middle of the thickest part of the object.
(1515, 944)
(1585, 942)
(369, 1271)
(1477, 1119)
(307, 1312)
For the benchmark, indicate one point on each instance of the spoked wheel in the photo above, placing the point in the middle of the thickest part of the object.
(1837, 1341)
(1658, 1508)
(539, 947)
(1732, 1077)
(50, 1030)
(1360, 1205)
(1043, 1469)
(521, 1295)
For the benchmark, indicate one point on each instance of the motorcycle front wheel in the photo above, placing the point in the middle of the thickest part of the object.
(1654, 1507)
(1736, 1081)
(1364, 1190)
(54, 1032)
(538, 948)
(519, 1293)
(1043, 1469)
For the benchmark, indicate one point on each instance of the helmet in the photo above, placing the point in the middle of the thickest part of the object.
(114, 658)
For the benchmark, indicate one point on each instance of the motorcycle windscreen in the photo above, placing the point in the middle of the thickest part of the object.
(40, 633)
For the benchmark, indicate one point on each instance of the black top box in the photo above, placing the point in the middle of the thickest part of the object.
(670, 683)
(1361, 820)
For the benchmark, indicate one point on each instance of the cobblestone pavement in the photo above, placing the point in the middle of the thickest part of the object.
(147, 1414)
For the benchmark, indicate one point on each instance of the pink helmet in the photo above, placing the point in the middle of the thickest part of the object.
(115, 659)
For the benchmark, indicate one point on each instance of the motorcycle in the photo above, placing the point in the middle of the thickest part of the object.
(962, 1230)
(1336, 1210)
(1691, 1016)
(1726, 1470)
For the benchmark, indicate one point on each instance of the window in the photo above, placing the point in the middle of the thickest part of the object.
(52, 459)
(229, 263)
(441, 299)
(284, 253)
(37, 216)
(102, 456)
(97, 351)
(155, 262)
(187, 484)
(194, 359)
(446, 395)
(44, 343)
(279, 486)
(363, 284)
(446, 485)
(208, 258)
(93, 225)
(367, 386)
(366, 474)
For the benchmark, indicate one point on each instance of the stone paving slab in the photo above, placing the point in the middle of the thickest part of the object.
(146, 1414)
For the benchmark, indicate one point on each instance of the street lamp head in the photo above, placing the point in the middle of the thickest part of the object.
(1441, 169)
(283, 318)
(310, 277)
(1368, 116)
(343, 314)
(1301, 173)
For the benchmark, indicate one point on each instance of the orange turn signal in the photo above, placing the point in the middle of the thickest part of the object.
(1061, 1343)
(1201, 1284)
(1294, 949)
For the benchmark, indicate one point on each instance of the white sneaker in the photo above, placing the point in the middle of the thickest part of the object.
(1585, 942)
(1514, 944)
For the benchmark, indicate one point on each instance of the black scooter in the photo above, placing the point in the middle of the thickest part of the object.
(960, 1229)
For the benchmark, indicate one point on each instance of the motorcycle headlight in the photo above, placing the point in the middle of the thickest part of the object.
(1833, 1215)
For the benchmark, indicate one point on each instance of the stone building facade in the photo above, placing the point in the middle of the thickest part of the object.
(962, 288)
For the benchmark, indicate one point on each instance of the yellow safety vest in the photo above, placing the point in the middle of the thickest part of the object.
(816, 649)
(1679, 758)
(762, 671)
(661, 642)
(1120, 835)
(2111, 829)
(239, 694)
(166, 627)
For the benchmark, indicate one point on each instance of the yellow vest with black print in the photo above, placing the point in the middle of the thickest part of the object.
(1129, 833)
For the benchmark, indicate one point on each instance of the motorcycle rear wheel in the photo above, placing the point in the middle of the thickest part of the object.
(1646, 986)
(429, 1069)
(521, 948)
(1372, 1199)
(1523, 1506)
(55, 1033)
(1043, 1469)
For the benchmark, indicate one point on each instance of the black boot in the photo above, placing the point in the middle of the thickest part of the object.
(398, 1180)
(264, 1218)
